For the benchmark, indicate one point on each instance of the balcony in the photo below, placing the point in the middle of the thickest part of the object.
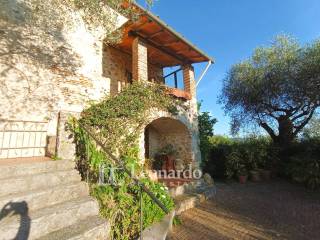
(178, 93)
(154, 47)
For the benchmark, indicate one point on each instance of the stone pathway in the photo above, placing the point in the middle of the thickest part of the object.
(273, 210)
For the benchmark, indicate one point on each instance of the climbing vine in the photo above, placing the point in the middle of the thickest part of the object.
(118, 121)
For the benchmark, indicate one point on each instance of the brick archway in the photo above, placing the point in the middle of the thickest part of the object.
(164, 131)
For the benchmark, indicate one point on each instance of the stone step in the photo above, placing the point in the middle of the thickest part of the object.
(32, 182)
(185, 188)
(24, 225)
(159, 230)
(31, 168)
(45, 197)
(91, 228)
(190, 200)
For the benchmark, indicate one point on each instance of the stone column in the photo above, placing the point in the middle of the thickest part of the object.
(66, 148)
(189, 80)
(139, 60)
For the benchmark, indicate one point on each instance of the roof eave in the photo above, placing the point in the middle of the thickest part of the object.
(170, 29)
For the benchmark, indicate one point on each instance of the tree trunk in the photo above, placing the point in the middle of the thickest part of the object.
(286, 132)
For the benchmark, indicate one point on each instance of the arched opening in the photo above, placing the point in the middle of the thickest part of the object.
(168, 136)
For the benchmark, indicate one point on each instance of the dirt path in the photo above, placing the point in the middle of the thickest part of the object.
(274, 210)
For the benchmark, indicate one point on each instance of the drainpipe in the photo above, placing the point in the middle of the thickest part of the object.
(204, 72)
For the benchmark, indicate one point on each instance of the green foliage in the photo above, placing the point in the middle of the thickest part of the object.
(277, 88)
(120, 119)
(177, 221)
(231, 157)
(246, 155)
(119, 200)
(56, 158)
(312, 130)
(117, 122)
(121, 205)
(169, 149)
(304, 164)
(206, 123)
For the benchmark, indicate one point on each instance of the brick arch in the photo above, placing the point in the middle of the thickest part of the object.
(166, 130)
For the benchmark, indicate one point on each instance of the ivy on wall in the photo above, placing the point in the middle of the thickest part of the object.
(118, 121)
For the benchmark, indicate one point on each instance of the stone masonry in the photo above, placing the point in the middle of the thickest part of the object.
(46, 72)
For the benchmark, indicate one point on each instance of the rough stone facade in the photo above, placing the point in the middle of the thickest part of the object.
(164, 131)
(44, 72)
(117, 69)
(180, 130)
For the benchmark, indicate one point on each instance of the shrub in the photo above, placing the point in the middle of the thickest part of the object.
(206, 124)
(220, 148)
(304, 163)
(118, 125)
(229, 156)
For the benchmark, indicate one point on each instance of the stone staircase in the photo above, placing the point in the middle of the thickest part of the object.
(187, 195)
(47, 200)
(190, 194)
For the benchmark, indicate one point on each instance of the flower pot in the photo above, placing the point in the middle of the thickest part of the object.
(242, 179)
(265, 174)
(168, 163)
(255, 176)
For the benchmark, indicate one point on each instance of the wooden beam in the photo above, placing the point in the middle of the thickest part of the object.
(155, 34)
(182, 51)
(142, 24)
(152, 44)
(170, 43)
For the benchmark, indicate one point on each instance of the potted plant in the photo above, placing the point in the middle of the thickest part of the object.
(167, 154)
(252, 160)
(265, 174)
(265, 171)
(242, 174)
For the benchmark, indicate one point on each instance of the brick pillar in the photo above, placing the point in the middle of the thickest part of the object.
(188, 80)
(139, 60)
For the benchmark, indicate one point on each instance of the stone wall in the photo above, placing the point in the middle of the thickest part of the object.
(116, 65)
(181, 131)
(46, 71)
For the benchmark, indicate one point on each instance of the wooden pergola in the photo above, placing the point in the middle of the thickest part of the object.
(166, 47)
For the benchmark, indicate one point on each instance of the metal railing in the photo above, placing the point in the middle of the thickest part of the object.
(175, 77)
(20, 138)
(142, 186)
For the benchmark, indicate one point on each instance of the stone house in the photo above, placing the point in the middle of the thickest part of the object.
(49, 71)
(46, 76)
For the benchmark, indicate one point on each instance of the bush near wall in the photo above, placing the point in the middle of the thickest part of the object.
(302, 164)
(252, 154)
(118, 125)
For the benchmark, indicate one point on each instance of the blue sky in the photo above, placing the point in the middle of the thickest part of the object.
(229, 30)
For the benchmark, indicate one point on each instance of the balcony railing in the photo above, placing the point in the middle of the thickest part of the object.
(175, 91)
(179, 93)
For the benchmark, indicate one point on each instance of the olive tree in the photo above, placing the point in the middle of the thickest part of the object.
(278, 88)
(312, 130)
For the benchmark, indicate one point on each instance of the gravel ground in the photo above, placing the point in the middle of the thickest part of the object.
(266, 210)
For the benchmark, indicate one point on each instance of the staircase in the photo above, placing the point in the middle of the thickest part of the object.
(188, 193)
(47, 200)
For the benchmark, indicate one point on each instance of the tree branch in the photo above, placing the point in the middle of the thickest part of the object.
(268, 129)
(304, 123)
